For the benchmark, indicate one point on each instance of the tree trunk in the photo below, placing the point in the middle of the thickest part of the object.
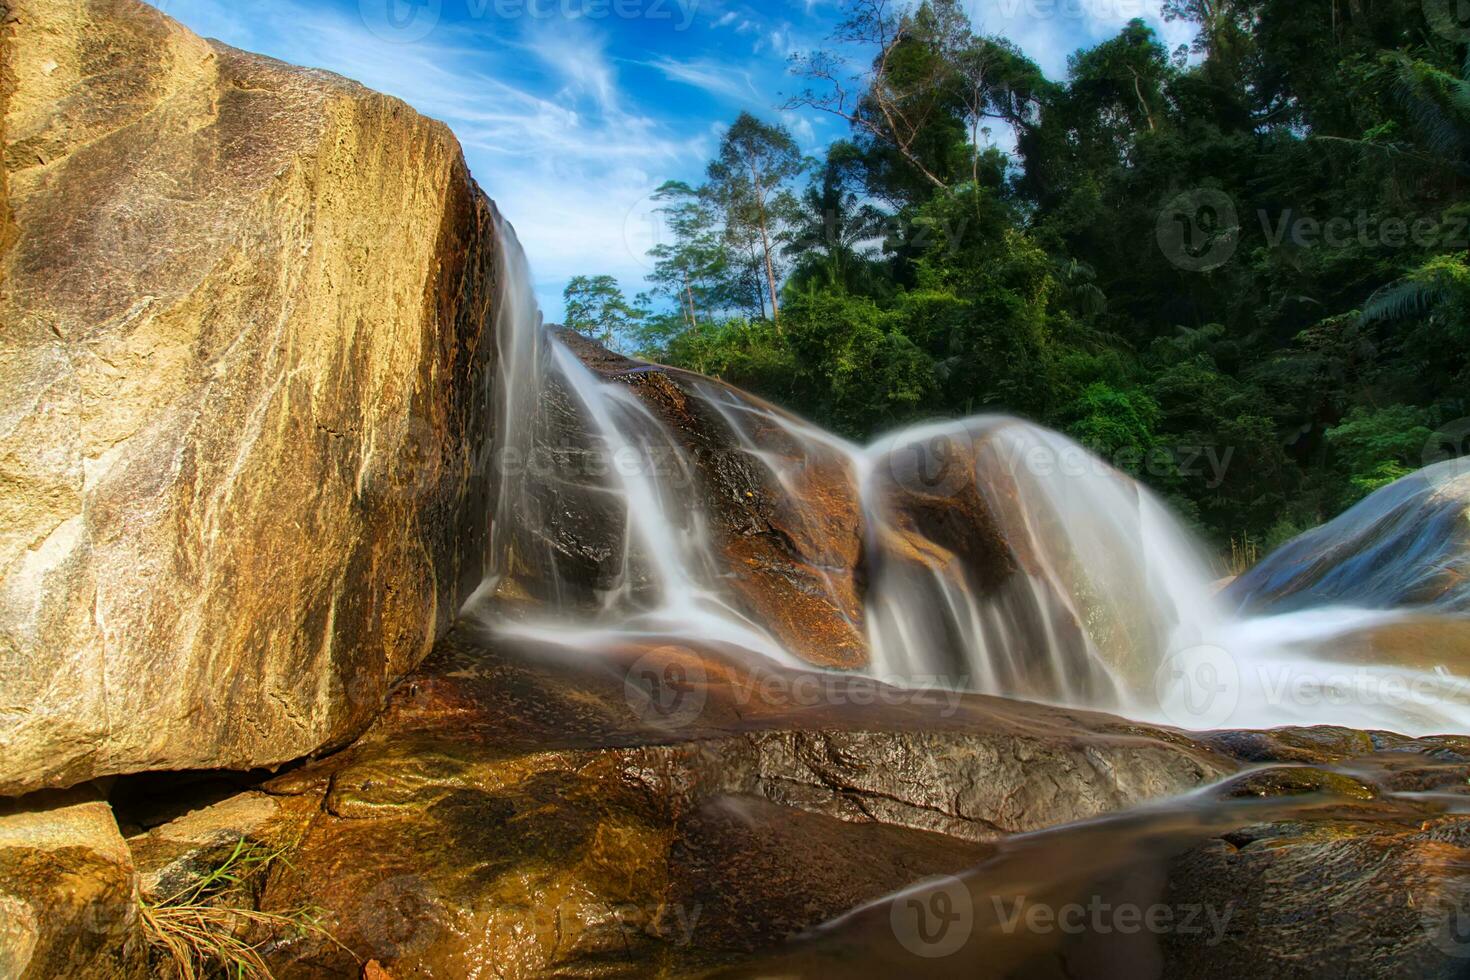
(689, 295)
(760, 210)
(770, 272)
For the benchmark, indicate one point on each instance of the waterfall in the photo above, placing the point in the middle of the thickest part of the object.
(994, 555)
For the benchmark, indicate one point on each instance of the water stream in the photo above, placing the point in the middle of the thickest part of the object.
(995, 555)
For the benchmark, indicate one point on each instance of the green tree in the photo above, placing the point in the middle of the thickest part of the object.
(1378, 446)
(748, 179)
(595, 306)
(834, 231)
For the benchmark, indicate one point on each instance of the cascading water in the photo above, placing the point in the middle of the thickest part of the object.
(986, 553)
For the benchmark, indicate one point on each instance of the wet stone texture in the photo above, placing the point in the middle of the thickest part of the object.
(783, 511)
(68, 892)
(524, 809)
(1407, 545)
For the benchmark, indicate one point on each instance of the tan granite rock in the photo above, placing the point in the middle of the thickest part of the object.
(68, 893)
(244, 337)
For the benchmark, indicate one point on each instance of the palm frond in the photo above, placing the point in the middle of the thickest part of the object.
(1403, 300)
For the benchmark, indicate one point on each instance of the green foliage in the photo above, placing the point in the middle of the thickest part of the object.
(596, 306)
(924, 272)
(1378, 446)
(869, 374)
(1119, 425)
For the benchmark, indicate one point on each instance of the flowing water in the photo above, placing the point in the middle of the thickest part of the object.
(995, 555)
(1137, 894)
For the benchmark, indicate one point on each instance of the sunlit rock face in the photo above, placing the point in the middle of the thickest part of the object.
(68, 893)
(245, 315)
(1408, 545)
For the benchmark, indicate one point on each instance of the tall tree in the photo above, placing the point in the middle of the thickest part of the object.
(926, 94)
(596, 306)
(692, 263)
(749, 178)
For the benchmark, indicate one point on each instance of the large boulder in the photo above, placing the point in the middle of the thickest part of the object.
(1406, 545)
(244, 337)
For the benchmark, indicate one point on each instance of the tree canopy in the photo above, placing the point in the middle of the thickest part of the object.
(1237, 269)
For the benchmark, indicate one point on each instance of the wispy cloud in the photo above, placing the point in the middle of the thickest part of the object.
(577, 55)
(709, 76)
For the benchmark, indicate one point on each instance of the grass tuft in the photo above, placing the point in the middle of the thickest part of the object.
(200, 930)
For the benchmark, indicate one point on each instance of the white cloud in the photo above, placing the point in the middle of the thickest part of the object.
(801, 128)
(578, 57)
(708, 76)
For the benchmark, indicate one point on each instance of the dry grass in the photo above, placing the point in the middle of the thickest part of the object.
(1244, 554)
(199, 931)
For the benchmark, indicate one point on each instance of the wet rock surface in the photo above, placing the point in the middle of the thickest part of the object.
(68, 892)
(522, 808)
(1407, 545)
(783, 513)
(245, 315)
(1280, 871)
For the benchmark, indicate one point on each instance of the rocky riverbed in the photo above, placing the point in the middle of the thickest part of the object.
(272, 600)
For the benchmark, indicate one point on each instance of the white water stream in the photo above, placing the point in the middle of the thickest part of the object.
(1106, 601)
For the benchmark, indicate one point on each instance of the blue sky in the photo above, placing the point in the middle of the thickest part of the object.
(571, 112)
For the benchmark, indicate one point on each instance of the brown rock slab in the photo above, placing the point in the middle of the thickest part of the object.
(522, 807)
